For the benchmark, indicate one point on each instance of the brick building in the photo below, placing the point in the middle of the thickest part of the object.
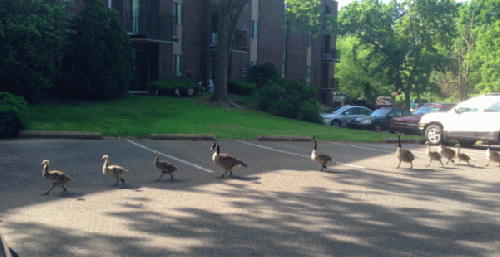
(167, 37)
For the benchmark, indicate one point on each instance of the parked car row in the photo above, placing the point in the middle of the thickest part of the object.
(475, 119)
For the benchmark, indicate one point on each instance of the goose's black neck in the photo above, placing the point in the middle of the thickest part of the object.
(399, 140)
(218, 149)
(315, 145)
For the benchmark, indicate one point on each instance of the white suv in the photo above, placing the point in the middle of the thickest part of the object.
(475, 119)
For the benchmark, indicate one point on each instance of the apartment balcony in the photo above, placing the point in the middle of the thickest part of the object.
(333, 56)
(150, 26)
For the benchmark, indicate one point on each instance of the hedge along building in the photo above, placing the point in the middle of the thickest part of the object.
(178, 39)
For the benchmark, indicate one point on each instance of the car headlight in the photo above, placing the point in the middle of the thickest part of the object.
(328, 118)
(366, 122)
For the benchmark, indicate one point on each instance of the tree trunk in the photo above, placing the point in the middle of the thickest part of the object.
(205, 35)
(220, 88)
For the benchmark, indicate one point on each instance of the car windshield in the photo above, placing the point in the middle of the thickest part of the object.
(475, 104)
(495, 107)
(425, 109)
(380, 112)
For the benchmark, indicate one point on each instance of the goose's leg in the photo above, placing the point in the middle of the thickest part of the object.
(64, 189)
(117, 180)
(411, 165)
(487, 164)
(160, 177)
(171, 177)
(123, 181)
(223, 175)
(429, 163)
(468, 163)
(398, 164)
(231, 173)
(49, 189)
(442, 165)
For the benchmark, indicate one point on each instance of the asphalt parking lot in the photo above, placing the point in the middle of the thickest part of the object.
(281, 205)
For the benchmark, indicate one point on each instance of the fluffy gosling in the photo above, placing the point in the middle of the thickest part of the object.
(492, 155)
(225, 161)
(404, 155)
(447, 153)
(113, 171)
(462, 156)
(164, 167)
(55, 178)
(321, 159)
(433, 156)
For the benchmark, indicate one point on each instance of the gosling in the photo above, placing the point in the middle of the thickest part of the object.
(447, 153)
(164, 167)
(113, 171)
(433, 156)
(321, 159)
(462, 156)
(225, 161)
(55, 178)
(404, 155)
(492, 155)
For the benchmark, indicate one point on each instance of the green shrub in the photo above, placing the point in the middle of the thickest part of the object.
(291, 99)
(309, 111)
(13, 114)
(167, 87)
(240, 87)
(99, 56)
(263, 74)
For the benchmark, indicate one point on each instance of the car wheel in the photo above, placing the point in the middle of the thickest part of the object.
(434, 134)
(377, 127)
(336, 123)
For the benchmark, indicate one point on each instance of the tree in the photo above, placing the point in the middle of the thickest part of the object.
(31, 33)
(100, 54)
(229, 13)
(405, 34)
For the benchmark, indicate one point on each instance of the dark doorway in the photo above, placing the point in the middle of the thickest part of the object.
(140, 71)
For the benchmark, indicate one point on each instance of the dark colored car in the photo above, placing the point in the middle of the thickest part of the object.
(379, 120)
(409, 124)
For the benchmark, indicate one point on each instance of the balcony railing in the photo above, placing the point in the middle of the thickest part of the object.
(213, 40)
(152, 26)
(333, 56)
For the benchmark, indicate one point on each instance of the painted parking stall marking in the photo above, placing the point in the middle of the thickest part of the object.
(172, 157)
(301, 155)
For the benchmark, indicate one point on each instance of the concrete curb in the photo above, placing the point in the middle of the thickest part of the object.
(407, 141)
(182, 137)
(59, 134)
(282, 138)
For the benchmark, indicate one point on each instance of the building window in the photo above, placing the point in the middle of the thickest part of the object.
(252, 64)
(308, 72)
(215, 28)
(240, 39)
(177, 65)
(254, 29)
(177, 18)
(135, 16)
(110, 4)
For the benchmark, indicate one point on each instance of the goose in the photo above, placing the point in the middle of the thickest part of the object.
(433, 156)
(113, 171)
(462, 156)
(164, 167)
(492, 155)
(404, 155)
(55, 178)
(321, 159)
(225, 161)
(447, 153)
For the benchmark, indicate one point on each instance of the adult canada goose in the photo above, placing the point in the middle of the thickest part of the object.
(404, 155)
(492, 155)
(55, 178)
(433, 156)
(462, 156)
(447, 153)
(164, 167)
(113, 171)
(321, 159)
(225, 161)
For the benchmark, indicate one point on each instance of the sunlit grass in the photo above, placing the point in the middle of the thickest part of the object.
(141, 116)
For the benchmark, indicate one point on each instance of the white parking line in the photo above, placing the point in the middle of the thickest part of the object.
(362, 147)
(305, 156)
(172, 157)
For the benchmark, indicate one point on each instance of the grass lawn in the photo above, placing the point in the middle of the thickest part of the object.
(141, 116)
